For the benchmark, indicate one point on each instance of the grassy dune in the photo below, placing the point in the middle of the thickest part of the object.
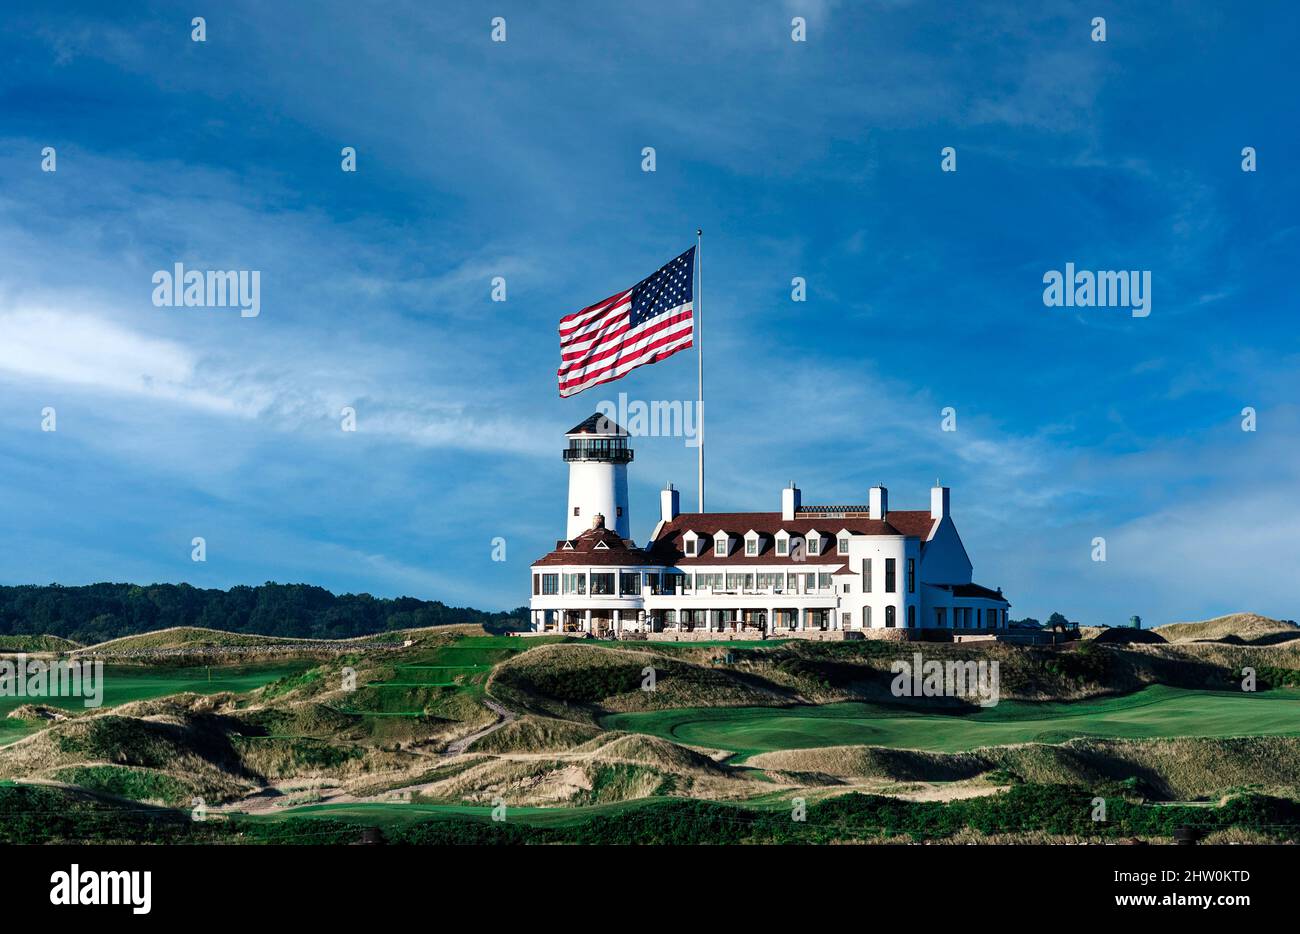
(1248, 628)
(184, 637)
(536, 734)
(816, 719)
(1168, 769)
(36, 644)
(124, 684)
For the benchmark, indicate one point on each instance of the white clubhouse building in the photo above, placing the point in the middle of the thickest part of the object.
(804, 568)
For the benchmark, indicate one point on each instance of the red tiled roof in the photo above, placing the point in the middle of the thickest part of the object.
(916, 523)
(667, 549)
(616, 552)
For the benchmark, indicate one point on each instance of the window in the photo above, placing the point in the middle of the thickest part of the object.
(537, 584)
(602, 584)
(575, 510)
(890, 613)
(846, 621)
(866, 575)
(619, 511)
(866, 617)
(939, 613)
(629, 583)
(720, 546)
(911, 575)
(689, 545)
(550, 584)
(824, 582)
(844, 545)
(575, 583)
(814, 544)
(783, 546)
(911, 617)
(708, 581)
(740, 581)
(845, 587)
(751, 546)
(771, 581)
(889, 575)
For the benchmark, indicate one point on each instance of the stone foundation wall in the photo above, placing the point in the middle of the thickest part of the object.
(750, 635)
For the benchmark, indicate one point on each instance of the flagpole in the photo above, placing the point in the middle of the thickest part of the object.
(699, 349)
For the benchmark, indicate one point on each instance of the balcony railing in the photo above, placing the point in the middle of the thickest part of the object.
(606, 456)
(745, 592)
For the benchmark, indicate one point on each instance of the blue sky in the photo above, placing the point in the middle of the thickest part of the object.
(523, 160)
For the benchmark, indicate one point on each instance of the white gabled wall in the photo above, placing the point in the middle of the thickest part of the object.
(945, 560)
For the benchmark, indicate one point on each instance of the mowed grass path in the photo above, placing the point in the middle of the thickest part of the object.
(1157, 711)
(124, 684)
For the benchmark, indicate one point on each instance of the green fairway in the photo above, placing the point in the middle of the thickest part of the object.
(385, 815)
(123, 684)
(1154, 712)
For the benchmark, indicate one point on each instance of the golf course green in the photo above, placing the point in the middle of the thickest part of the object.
(123, 684)
(1154, 712)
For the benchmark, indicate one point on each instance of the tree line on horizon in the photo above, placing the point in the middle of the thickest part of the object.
(97, 612)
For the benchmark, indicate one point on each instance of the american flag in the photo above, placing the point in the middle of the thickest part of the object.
(648, 322)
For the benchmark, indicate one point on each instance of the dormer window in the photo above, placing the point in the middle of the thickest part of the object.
(814, 543)
(752, 542)
(691, 544)
(842, 542)
(783, 543)
(720, 546)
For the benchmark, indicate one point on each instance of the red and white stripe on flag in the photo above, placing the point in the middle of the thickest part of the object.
(641, 325)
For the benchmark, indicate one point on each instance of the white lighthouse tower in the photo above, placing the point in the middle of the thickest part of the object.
(597, 456)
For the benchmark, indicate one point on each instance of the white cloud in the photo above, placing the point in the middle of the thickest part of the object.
(299, 389)
(83, 349)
